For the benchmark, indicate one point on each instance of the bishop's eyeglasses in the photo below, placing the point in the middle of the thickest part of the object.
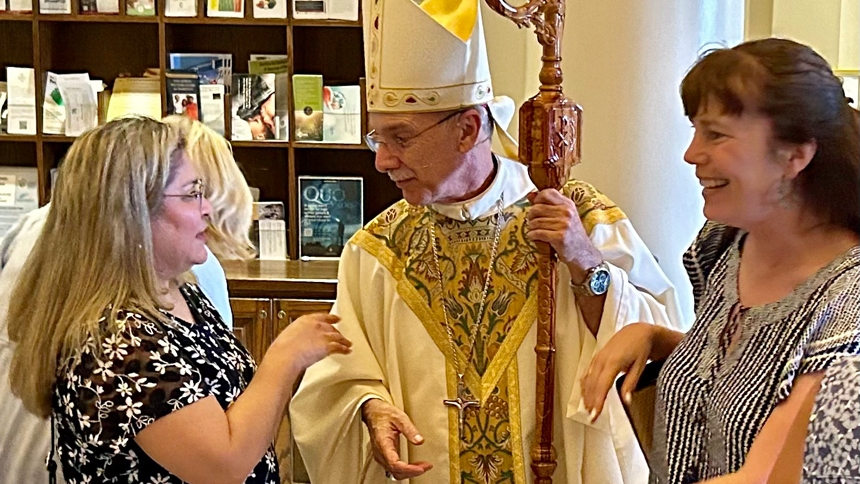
(398, 144)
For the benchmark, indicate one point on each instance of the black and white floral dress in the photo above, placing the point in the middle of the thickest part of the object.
(148, 370)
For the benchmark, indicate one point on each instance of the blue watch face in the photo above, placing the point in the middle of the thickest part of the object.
(600, 282)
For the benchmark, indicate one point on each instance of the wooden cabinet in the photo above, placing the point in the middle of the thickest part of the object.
(266, 297)
(256, 322)
(252, 324)
(286, 311)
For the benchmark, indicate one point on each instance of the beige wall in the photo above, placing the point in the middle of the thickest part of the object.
(758, 21)
(831, 27)
(812, 22)
(512, 52)
(623, 61)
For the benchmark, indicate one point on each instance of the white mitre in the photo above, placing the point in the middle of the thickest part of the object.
(415, 64)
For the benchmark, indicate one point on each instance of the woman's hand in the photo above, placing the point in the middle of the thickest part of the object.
(309, 339)
(628, 351)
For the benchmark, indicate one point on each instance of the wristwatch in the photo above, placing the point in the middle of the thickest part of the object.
(596, 281)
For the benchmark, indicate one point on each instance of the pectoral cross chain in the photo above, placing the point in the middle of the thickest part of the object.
(461, 403)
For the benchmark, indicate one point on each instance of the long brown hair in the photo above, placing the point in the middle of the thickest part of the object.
(796, 89)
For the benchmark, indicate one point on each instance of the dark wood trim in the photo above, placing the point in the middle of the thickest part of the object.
(325, 23)
(282, 279)
(19, 16)
(328, 146)
(18, 138)
(97, 18)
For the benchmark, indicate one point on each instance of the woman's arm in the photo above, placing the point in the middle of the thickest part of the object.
(628, 351)
(201, 443)
(776, 455)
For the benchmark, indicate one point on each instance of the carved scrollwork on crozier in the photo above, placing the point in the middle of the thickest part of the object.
(536, 13)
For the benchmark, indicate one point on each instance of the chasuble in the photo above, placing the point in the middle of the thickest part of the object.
(390, 304)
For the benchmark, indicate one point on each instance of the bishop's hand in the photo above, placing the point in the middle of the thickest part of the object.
(385, 422)
(553, 218)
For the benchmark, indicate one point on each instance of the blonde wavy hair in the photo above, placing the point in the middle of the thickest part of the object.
(226, 189)
(95, 254)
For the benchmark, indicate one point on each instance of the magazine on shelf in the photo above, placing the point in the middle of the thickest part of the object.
(342, 114)
(180, 8)
(140, 8)
(225, 8)
(270, 8)
(342, 9)
(55, 6)
(2, 107)
(308, 107)
(20, 6)
(279, 65)
(211, 68)
(2, 5)
(55, 106)
(269, 230)
(109, 7)
(81, 105)
(212, 106)
(331, 210)
(135, 95)
(308, 9)
(19, 194)
(21, 100)
(253, 107)
(183, 93)
(53, 109)
(326, 9)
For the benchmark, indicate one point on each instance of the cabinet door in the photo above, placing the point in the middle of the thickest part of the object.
(252, 324)
(287, 311)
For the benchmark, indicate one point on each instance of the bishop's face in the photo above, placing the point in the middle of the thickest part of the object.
(419, 152)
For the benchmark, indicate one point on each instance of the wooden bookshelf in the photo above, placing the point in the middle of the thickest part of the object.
(107, 46)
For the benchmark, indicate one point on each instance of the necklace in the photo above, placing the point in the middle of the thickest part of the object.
(463, 402)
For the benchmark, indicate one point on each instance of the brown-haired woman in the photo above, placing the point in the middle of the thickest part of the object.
(775, 270)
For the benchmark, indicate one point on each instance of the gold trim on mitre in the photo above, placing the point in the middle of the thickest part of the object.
(413, 64)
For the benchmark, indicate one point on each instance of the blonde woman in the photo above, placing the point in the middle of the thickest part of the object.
(143, 381)
(24, 438)
(228, 192)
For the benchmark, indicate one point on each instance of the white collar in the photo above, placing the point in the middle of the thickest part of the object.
(511, 184)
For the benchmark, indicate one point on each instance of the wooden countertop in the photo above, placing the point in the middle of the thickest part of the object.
(316, 279)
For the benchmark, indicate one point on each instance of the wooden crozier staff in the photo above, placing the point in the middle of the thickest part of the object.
(550, 140)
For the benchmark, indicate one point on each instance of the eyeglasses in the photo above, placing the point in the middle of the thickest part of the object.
(197, 193)
(374, 140)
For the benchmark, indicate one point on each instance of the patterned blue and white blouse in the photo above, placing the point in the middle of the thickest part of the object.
(711, 402)
(148, 370)
(833, 440)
